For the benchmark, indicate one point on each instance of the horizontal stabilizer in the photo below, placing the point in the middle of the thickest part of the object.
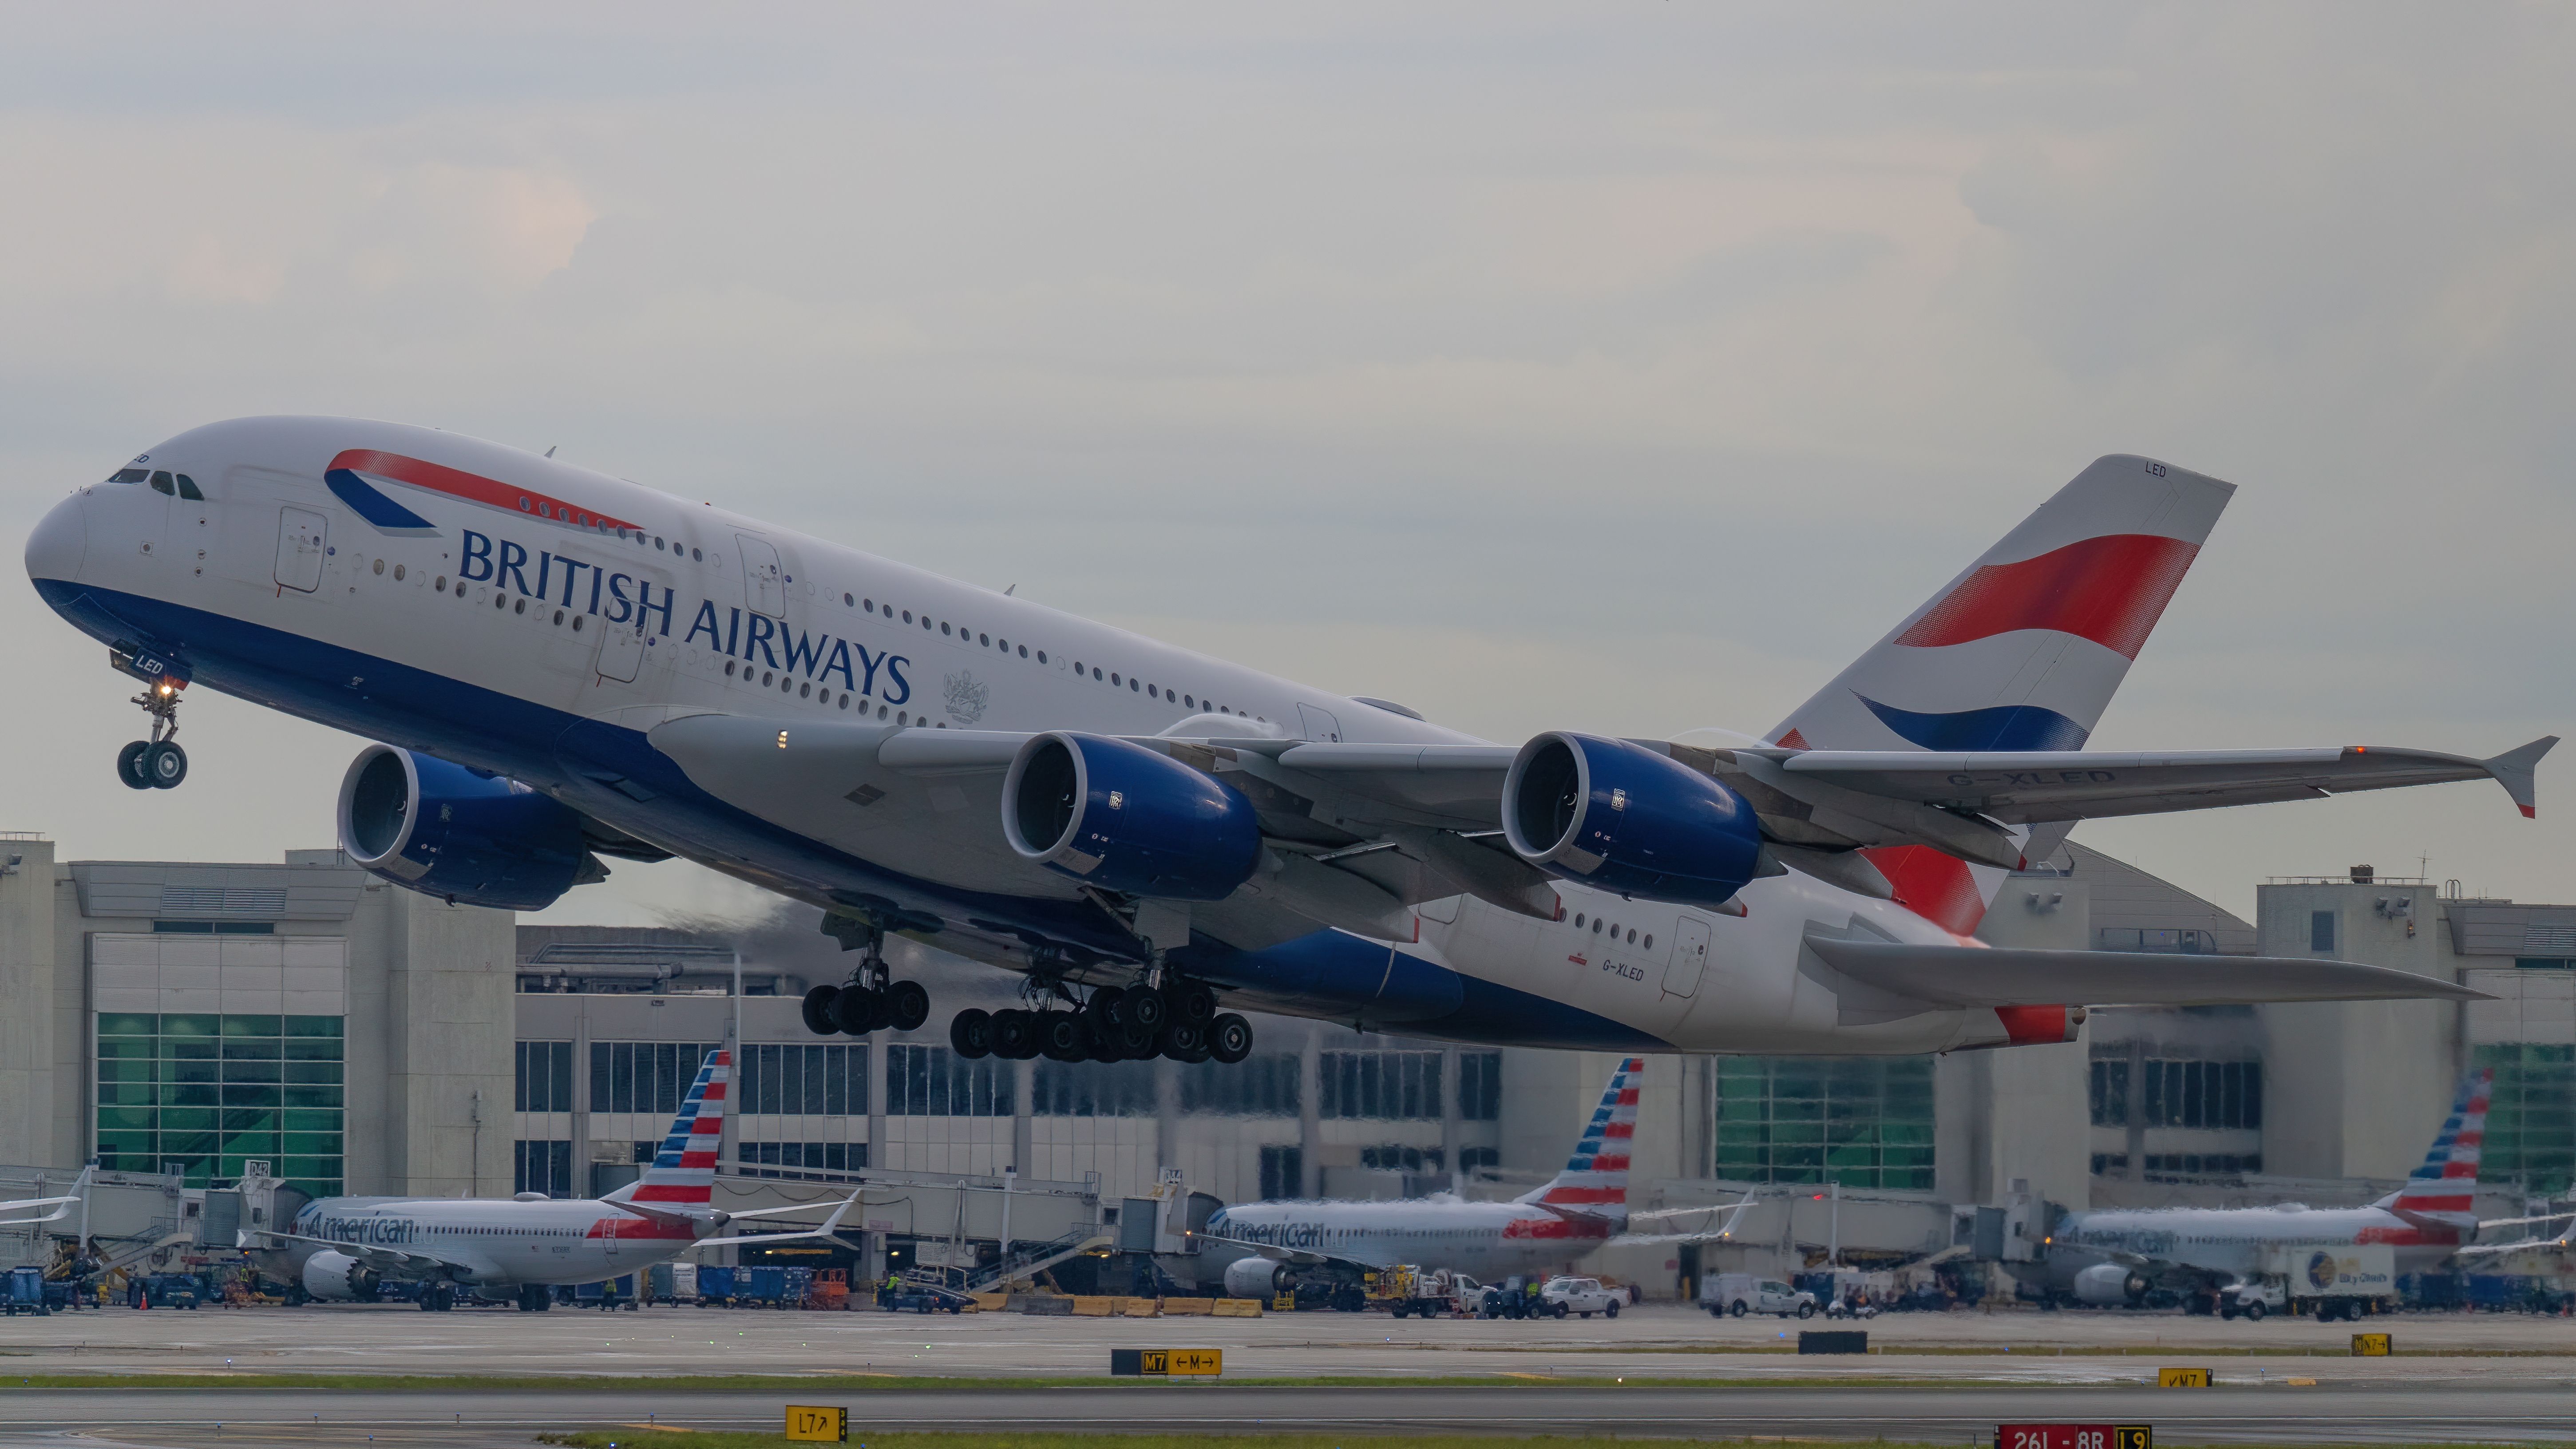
(1996, 976)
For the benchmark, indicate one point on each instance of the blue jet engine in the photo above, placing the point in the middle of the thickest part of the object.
(1119, 816)
(1620, 817)
(460, 834)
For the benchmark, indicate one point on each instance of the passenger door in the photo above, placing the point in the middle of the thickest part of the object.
(764, 581)
(621, 650)
(302, 537)
(1689, 960)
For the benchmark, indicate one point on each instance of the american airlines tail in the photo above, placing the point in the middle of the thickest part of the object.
(1594, 1183)
(683, 1174)
(2021, 652)
(2444, 1190)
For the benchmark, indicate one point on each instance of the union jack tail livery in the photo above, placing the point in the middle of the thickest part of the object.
(2444, 1189)
(1595, 1180)
(2021, 652)
(683, 1174)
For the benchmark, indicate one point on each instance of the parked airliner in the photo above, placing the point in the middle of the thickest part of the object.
(2117, 1255)
(1259, 1248)
(339, 1249)
(565, 666)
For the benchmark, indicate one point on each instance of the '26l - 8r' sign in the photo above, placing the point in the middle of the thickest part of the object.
(2074, 1436)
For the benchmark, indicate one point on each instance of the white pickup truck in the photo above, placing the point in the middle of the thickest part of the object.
(1737, 1294)
(1580, 1296)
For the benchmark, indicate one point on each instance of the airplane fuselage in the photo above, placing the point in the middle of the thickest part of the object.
(525, 617)
(497, 1243)
(2239, 1243)
(1487, 1240)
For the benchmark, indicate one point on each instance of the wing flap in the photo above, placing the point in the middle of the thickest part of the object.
(1998, 976)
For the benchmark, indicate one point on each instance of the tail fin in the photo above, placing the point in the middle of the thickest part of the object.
(2444, 1190)
(1595, 1180)
(2021, 652)
(683, 1173)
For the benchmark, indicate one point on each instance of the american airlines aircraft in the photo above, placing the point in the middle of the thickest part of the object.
(342, 1248)
(1262, 1247)
(565, 666)
(2117, 1256)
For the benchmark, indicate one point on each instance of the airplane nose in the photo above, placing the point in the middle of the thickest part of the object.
(61, 537)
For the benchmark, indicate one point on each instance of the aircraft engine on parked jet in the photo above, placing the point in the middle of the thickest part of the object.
(1624, 818)
(1254, 1277)
(2106, 1285)
(338, 1277)
(459, 834)
(1119, 816)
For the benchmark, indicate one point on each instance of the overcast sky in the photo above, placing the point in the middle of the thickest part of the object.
(1621, 367)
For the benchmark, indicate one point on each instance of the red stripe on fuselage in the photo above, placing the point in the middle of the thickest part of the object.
(1556, 1227)
(2110, 590)
(1932, 885)
(472, 487)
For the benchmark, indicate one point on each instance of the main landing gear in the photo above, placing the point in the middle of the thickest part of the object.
(1179, 1020)
(868, 1001)
(157, 763)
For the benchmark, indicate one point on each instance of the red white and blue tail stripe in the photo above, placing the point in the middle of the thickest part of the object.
(683, 1173)
(2023, 651)
(2445, 1188)
(1595, 1179)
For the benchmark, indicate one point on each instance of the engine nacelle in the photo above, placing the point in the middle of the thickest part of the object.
(1121, 817)
(1623, 818)
(1253, 1277)
(459, 834)
(2107, 1285)
(339, 1277)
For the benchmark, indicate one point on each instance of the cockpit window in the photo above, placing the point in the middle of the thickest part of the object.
(161, 482)
(130, 475)
(188, 488)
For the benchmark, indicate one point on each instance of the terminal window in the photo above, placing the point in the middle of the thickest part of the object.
(932, 1081)
(2178, 1093)
(1380, 1086)
(543, 1081)
(1859, 1121)
(1261, 1085)
(1093, 1089)
(199, 1094)
(1283, 1173)
(643, 1076)
(1480, 1086)
(2531, 1116)
(2321, 930)
(804, 1080)
(540, 1166)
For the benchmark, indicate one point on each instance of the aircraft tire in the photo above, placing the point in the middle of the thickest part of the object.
(1102, 1009)
(1061, 1037)
(129, 765)
(1191, 1001)
(1015, 1034)
(970, 1033)
(165, 765)
(1136, 1043)
(1183, 1042)
(907, 1005)
(1145, 1008)
(818, 1010)
(857, 1012)
(1229, 1038)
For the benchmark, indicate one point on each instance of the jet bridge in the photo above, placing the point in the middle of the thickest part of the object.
(1033, 1222)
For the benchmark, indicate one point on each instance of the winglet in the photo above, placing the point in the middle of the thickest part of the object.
(2513, 770)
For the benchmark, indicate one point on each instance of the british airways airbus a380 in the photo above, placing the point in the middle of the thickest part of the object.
(565, 666)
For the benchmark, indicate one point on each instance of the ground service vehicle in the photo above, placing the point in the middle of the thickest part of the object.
(1737, 1294)
(1582, 1297)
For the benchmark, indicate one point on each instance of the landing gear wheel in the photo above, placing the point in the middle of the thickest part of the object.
(907, 1005)
(1191, 1002)
(970, 1033)
(1229, 1038)
(165, 764)
(129, 765)
(1015, 1034)
(818, 1010)
(1183, 1042)
(1102, 1010)
(1144, 1008)
(857, 1012)
(1061, 1037)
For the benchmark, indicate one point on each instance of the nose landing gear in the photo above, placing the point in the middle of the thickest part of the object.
(157, 763)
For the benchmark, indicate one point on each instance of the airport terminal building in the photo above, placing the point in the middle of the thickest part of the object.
(180, 1020)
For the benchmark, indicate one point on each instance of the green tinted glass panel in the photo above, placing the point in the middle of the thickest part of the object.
(312, 1143)
(126, 1023)
(206, 1072)
(191, 1049)
(189, 1023)
(312, 1096)
(313, 1049)
(313, 1026)
(267, 1072)
(189, 1144)
(251, 1048)
(1859, 1121)
(251, 1026)
(325, 1074)
(125, 1118)
(190, 1095)
(189, 1119)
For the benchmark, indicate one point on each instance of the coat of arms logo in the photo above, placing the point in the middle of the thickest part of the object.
(966, 697)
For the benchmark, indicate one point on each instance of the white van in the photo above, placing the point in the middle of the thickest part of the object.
(1737, 1294)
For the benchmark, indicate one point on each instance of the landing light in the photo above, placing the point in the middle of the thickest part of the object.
(782, 739)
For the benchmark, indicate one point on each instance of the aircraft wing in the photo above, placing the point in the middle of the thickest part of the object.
(829, 1230)
(61, 1206)
(372, 1254)
(1999, 976)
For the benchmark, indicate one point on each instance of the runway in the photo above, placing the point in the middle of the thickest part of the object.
(190, 1417)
